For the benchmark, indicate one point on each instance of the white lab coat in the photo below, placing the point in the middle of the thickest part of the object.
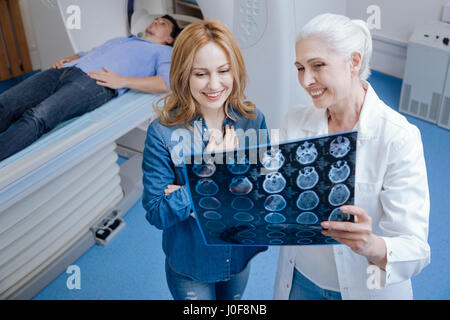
(392, 187)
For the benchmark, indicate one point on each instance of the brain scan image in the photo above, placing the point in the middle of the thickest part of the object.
(307, 178)
(276, 195)
(339, 194)
(247, 234)
(304, 241)
(339, 147)
(240, 167)
(338, 215)
(209, 203)
(305, 234)
(275, 217)
(242, 203)
(274, 182)
(307, 200)
(307, 218)
(204, 170)
(275, 227)
(273, 159)
(206, 187)
(339, 171)
(306, 153)
(213, 215)
(243, 217)
(240, 186)
(215, 226)
(274, 202)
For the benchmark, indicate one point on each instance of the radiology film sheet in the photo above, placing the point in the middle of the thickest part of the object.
(273, 195)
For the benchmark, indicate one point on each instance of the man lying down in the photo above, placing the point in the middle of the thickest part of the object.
(81, 83)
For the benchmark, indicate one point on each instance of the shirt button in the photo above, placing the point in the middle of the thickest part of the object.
(288, 286)
(291, 261)
(228, 260)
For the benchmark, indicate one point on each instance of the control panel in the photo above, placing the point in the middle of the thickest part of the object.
(435, 34)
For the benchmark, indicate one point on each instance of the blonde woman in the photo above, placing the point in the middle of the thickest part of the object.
(207, 80)
(387, 244)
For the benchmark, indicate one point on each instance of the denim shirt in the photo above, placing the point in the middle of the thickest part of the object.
(183, 243)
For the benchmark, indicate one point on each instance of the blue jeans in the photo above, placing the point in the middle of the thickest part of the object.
(38, 104)
(304, 289)
(183, 287)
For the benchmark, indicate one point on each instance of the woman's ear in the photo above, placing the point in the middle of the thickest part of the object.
(355, 61)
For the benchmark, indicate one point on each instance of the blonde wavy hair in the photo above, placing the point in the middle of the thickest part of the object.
(179, 106)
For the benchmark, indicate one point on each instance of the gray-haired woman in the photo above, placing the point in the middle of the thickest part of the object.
(387, 244)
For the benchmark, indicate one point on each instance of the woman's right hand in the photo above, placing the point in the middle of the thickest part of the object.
(217, 143)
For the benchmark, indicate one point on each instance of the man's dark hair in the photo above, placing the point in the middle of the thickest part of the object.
(176, 28)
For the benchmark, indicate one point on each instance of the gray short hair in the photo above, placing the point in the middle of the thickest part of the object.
(343, 35)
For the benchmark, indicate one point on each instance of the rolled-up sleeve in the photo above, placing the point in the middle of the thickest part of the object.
(406, 205)
(162, 211)
(163, 66)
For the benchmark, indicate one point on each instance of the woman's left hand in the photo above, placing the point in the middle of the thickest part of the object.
(357, 235)
(172, 188)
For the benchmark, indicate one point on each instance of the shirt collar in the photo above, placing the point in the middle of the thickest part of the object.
(367, 124)
(227, 121)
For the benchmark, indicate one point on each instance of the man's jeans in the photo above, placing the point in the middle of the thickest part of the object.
(41, 102)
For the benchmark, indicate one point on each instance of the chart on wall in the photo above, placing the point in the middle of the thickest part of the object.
(273, 195)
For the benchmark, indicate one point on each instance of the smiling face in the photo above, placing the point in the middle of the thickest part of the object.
(323, 73)
(211, 79)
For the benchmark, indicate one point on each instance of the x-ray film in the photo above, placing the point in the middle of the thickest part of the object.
(273, 195)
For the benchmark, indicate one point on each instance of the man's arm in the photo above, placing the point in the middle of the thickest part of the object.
(155, 84)
(60, 63)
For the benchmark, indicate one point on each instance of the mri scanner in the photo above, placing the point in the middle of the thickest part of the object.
(57, 194)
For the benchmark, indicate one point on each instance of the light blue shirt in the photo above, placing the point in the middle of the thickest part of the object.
(127, 57)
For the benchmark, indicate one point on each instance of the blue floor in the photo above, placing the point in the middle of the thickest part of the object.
(132, 265)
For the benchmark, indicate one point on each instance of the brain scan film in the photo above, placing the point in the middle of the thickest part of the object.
(339, 171)
(209, 203)
(307, 178)
(240, 186)
(306, 153)
(206, 187)
(240, 167)
(273, 159)
(276, 195)
(339, 147)
(338, 215)
(274, 182)
(339, 194)
(308, 200)
(204, 170)
(275, 202)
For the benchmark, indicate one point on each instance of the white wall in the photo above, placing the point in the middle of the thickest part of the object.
(398, 19)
